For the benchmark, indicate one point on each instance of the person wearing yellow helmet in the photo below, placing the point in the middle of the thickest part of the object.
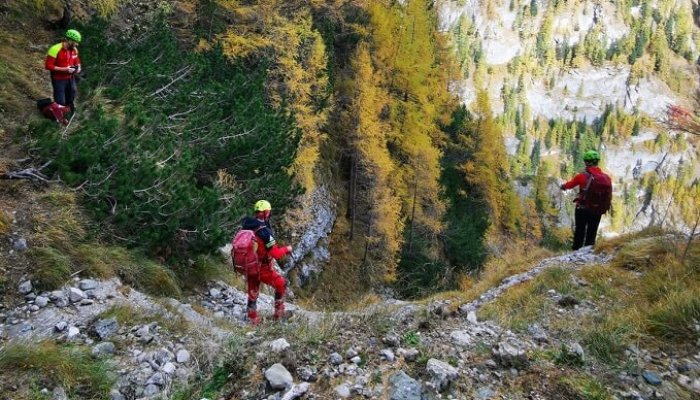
(63, 62)
(267, 250)
(593, 200)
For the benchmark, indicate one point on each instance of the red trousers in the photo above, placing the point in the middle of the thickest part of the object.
(270, 277)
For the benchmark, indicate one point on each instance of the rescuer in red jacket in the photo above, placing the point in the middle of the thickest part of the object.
(63, 62)
(268, 249)
(587, 215)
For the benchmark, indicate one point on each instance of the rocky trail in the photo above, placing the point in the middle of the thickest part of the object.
(395, 349)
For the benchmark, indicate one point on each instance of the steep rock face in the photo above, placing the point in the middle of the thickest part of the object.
(507, 32)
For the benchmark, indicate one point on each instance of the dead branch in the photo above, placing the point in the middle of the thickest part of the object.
(183, 73)
(32, 173)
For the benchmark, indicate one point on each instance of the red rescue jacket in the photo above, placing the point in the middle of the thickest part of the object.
(267, 245)
(580, 180)
(59, 56)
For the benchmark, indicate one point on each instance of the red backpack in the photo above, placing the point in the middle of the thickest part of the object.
(244, 252)
(597, 196)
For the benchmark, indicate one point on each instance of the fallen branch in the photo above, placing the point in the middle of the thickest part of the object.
(183, 73)
(28, 173)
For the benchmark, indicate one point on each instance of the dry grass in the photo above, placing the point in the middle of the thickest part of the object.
(52, 268)
(512, 262)
(5, 223)
(130, 316)
(613, 244)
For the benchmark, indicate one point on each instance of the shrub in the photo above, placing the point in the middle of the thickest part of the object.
(152, 163)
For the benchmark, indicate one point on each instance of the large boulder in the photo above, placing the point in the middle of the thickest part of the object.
(510, 353)
(105, 328)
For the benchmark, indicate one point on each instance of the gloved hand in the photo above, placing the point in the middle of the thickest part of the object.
(289, 249)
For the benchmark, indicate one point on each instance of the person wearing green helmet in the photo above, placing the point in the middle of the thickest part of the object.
(267, 251)
(63, 63)
(593, 200)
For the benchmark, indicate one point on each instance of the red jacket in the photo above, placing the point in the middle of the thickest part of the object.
(267, 245)
(580, 180)
(59, 56)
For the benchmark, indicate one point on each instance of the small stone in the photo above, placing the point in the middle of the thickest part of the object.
(183, 356)
(219, 314)
(576, 350)
(86, 302)
(72, 332)
(114, 394)
(61, 326)
(33, 307)
(20, 244)
(88, 284)
(143, 331)
(510, 354)
(279, 345)
(215, 293)
(76, 295)
(105, 328)
(441, 373)
(461, 338)
(278, 377)
(156, 379)
(350, 353)
(651, 378)
(103, 349)
(296, 391)
(403, 387)
(59, 394)
(41, 301)
(409, 355)
(485, 393)
(356, 360)
(391, 340)
(306, 374)
(169, 368)
(335, 359)
(25, 287)
(342, 391)
(151, 390)
(162, 356)
(387, 354)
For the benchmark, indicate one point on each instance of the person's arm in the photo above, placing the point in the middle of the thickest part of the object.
(78, 63)
(578, 180)
(273, 249)
(50, 62)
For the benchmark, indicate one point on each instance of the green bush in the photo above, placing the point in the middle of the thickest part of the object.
(170, 145)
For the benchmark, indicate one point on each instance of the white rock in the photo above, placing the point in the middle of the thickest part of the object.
(278, 377)
(351, 353)
(41, 301)
(215, 293)
(61, 326)
(88, 284)
(356, 360)
(471, 317)
(296, 391)
(156, 379)
(461, 338)
(169, 368)
(75, 295)
(441, 373)
(25, 287)
(279, 345)
(151, 390)
(342, 391)
(183, 356)
(387, 354)
(72, 332)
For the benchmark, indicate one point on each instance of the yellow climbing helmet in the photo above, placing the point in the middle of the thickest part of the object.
(262, 205)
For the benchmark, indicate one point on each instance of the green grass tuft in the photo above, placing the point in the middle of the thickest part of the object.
(5, 223)
(52, 267)
(73, 368)
(675, 316)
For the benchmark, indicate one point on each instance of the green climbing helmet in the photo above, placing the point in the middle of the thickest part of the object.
(262, 205)
(73, 35)
(591, 155)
